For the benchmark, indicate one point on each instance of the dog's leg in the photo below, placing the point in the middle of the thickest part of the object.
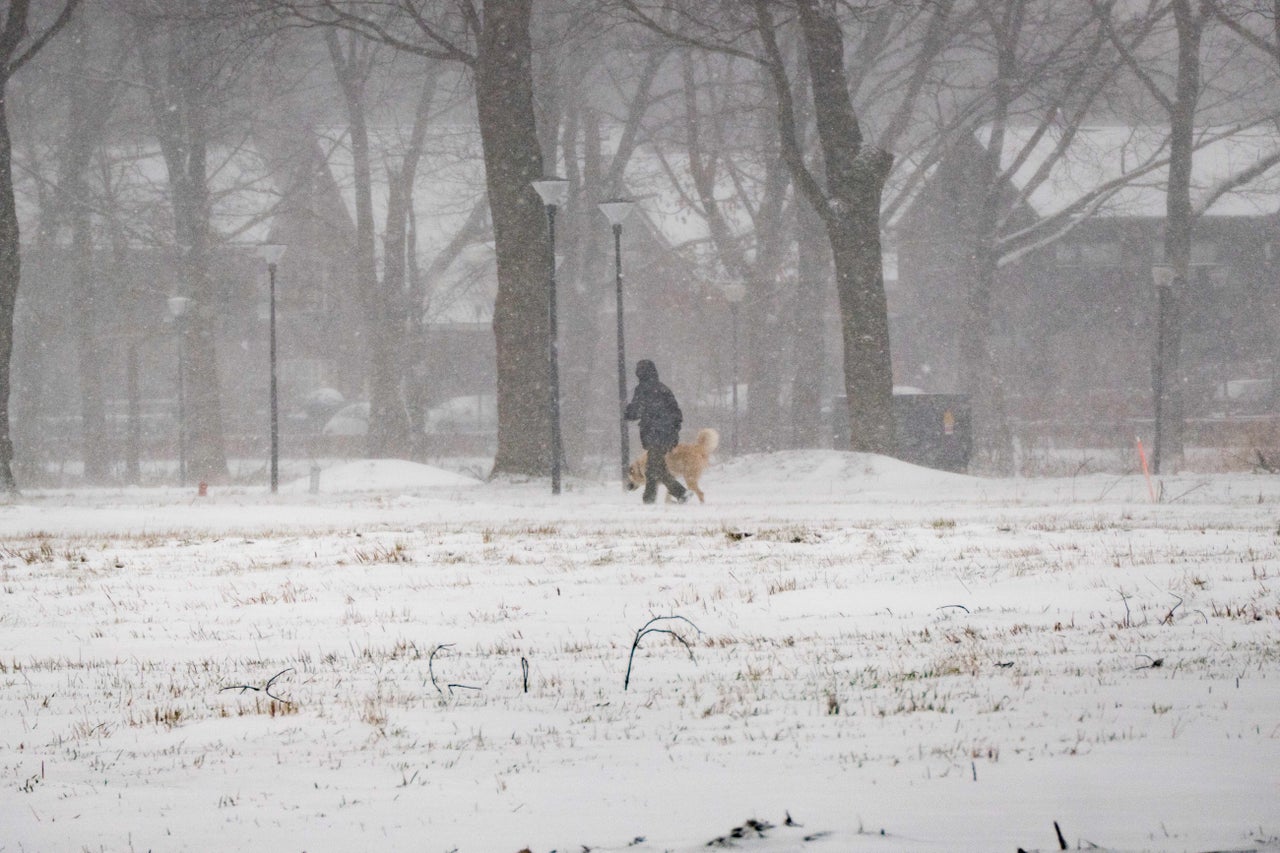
(693, 484)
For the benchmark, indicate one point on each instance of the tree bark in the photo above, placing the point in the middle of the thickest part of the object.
(850, 208)
(1179, 225)
(513, 159)
(984, 379)
(181, 121)
(388, 434)
(10, 275)
(16, 48)
(95, 449)
(401, 298)
(813, 281)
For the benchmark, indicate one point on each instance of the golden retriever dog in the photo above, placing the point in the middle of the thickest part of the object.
(686, 461)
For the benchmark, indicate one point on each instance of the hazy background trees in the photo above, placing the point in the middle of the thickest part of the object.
(776, 146)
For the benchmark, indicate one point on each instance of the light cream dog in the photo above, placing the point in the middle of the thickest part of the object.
(686, 461)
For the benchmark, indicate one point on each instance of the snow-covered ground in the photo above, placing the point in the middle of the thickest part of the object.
(897, 658)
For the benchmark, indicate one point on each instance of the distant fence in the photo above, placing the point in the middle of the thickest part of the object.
(1226, 432)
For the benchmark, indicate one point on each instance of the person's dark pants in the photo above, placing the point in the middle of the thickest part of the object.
(655, 472)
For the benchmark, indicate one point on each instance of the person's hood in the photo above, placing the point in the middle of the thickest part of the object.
(646, 371)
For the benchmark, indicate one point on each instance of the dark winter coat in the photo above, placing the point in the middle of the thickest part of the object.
(655, 407)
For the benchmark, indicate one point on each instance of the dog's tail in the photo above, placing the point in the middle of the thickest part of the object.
(708, 439)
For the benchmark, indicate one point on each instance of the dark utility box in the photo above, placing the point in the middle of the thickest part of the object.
(934, 430)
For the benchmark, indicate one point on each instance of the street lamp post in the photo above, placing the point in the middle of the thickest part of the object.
(553, 192)
(272, 253)
(1164, 276)
(735, 293)
(616, 211)
(178, 306)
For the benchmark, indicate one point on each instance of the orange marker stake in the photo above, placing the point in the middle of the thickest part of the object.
(1146, 472)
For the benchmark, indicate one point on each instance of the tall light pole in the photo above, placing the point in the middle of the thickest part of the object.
(735, 293)
(1164, 276)
(553, 192)
(616, 211)
(178, 306)
(272, 253)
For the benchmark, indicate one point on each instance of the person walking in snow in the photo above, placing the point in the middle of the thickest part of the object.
(655, 407)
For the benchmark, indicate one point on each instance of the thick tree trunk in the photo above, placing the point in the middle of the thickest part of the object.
(10, 275)
(812, 287)
(93, 422)
(403, 301)
(177, 101)
(389, 334)
(388, 434)
(400, 301)
(90, 102)
(983, 377)
(1179, 226)
(766, 318)
(864, 311)
(206, 452)
(513, 159)
(855, 178)
(14, 51)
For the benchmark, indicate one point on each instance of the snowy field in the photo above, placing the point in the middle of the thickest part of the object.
(898, 659)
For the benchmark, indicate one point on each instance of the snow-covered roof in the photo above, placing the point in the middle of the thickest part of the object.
(1102, 153)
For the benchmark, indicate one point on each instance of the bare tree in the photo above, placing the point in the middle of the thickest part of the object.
(18, 45)
(845, 187)
(1038, 77)
(392, 421)
(403, 287)
(595, 98)
(1179, 99)
(847, 197)
(739, 186)
(90, 101)
(492, 40)
(188, 60)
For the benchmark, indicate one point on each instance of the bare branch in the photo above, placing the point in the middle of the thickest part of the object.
(328, 14)
(1271, 48)
(16, 28)
(431, 660)
(935, 37)
(1017, 244)
(792, 155)
(683, 36)
(646, 629)
(640, 100)
(1232, 182)
(1103, 12)
(267, 689)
